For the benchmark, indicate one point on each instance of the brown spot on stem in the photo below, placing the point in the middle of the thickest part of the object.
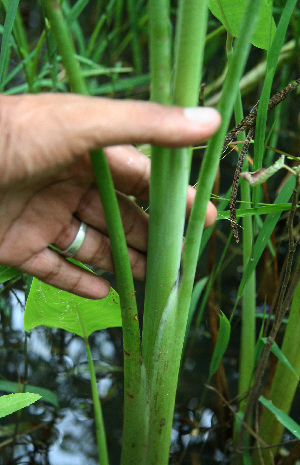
(162, 424)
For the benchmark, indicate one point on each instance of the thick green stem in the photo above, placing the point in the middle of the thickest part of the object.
(135, 386)
(189, 51)
(135, 412)
(169, 179)
(161, 237)
(160, 50)
(212, 154)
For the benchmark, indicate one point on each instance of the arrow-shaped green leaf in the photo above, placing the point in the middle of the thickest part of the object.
(54, 308)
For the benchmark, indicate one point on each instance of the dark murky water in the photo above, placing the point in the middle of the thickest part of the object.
(56, 360)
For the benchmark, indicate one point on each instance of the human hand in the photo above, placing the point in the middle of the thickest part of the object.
(47, 184)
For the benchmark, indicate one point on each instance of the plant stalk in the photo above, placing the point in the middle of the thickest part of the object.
(284, 384)
(135, 411)
(100, 429)
(249, 294)
(211, 158)
(169, 180)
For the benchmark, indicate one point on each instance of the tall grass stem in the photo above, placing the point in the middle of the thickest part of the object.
(134, 416)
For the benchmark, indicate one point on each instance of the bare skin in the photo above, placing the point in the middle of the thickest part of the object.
(47, 184)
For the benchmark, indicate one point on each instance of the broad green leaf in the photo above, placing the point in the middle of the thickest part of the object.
(54, 308)
(230, 13)
(13, 402)
(280, 355)
(282, 417)
(7, 273)
(47, 396)
(221, 345)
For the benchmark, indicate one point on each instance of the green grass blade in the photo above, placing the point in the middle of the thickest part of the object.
(135, 41)
(6, 273)
(280, 355)
(282, 417)
(8, 25)
(265, 233)
(262, 210)
(284, 384)
(76, 10)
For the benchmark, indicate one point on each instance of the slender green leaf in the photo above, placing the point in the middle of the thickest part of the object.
(122, 85)
(282, 417)
(230, 14)
(76, 10)
(46, 394)
(221, 345)
(8, 25)
(263, 210)
(54, 308)
(247, 457)
(280, 355)
(13, 402)
(265, 232)
(6, 273)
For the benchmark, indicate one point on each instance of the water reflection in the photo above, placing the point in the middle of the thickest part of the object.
(57, 361)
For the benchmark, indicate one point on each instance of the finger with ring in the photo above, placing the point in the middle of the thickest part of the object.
(77, 243)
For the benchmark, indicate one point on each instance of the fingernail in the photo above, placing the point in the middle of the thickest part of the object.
(201, 114)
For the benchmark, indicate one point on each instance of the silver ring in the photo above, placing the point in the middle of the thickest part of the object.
(77, 243)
